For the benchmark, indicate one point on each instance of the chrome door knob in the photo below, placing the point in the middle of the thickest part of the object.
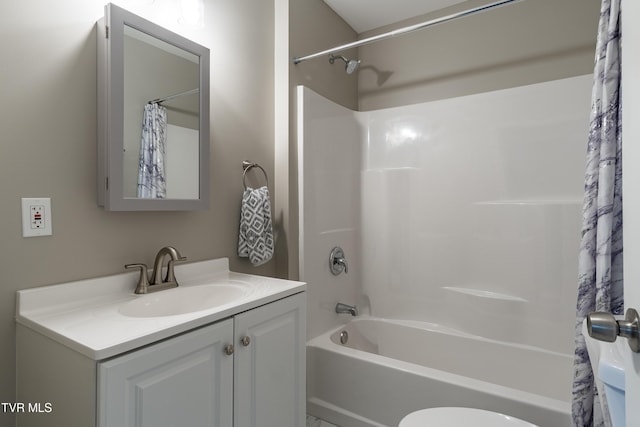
(604, 327)
(228, 349)
(246, 340)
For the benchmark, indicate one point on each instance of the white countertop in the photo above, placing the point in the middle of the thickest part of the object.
(84, 315)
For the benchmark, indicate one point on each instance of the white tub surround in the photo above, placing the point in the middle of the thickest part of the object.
(329, 163)
(461, 212)
(387, 369)
(85, 315)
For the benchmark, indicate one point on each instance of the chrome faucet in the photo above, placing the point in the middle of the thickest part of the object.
(345, 308)
(158, 283)
(170, 277)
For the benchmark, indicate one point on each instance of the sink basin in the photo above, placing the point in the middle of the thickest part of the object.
(182, 300)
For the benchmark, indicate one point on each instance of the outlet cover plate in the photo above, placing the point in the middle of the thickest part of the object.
(36, 217)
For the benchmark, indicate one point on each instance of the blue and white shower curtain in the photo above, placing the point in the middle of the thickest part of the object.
(151, 172)
(600, 281)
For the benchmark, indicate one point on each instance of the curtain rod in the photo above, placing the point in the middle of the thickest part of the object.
(404, 30)
(166, 98)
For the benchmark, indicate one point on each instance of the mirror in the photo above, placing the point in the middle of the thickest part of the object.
(153, 116)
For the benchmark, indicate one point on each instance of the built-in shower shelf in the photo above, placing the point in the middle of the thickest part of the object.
(484, 294)
(533, 202)
(392, 169)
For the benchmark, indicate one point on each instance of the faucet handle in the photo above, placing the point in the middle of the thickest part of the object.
(342, 262)
(337, 261)
(143, 281)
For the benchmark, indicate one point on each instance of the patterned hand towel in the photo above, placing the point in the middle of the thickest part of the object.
(255, 240)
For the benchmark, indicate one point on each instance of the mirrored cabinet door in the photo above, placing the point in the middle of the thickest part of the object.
(153, 116)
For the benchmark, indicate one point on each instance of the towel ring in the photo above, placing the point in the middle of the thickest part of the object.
(246, 165)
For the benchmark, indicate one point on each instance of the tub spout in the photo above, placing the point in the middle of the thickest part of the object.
(345, 308)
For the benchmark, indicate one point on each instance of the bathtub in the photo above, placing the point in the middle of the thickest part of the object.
(389, 368)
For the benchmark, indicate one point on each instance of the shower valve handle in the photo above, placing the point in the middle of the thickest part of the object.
(337, 262)
(604, 327)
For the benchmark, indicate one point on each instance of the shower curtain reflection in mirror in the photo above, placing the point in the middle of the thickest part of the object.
(151, 172)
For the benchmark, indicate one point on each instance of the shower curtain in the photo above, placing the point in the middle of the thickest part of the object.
(600, 285)
(151, 173)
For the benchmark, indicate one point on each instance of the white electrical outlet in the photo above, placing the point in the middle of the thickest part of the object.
(36, 217)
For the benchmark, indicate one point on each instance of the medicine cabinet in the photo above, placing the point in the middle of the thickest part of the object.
(141, 64)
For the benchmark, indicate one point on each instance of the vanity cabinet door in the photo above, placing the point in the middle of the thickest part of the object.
(183, 381)
(269, 365)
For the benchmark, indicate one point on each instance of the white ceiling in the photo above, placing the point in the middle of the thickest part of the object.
(364, 15)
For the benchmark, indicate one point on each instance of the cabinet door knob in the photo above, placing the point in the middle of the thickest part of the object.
(246, 340)
(228, 349)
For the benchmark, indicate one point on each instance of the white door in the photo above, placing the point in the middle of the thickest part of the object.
(269, 365)
(631, 189)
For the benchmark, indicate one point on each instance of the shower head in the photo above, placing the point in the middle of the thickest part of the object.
(351, 65)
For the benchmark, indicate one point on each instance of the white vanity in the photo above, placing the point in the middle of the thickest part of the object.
(223, 349)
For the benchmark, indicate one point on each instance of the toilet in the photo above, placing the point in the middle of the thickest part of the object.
(455, 417)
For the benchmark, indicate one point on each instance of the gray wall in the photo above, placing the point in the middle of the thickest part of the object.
(522, 43)
(48, 125)
(315, 27)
